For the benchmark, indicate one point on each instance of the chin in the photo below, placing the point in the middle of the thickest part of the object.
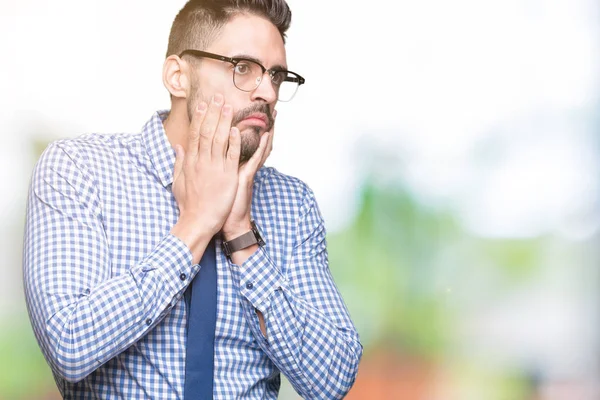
(257, 130)
(250, 142)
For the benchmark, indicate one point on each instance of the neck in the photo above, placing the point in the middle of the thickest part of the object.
(176, 125)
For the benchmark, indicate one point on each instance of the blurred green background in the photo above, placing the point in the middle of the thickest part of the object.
(439, 309)
(453, 149)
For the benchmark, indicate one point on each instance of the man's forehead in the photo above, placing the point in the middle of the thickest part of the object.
(253, 36)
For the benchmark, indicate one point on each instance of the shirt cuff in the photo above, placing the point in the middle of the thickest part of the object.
(173, 259)
(257, 279)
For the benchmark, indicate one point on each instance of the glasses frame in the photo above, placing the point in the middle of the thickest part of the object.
(235, 60)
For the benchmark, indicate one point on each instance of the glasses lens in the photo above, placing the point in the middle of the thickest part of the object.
(247, 75)
(288, 88)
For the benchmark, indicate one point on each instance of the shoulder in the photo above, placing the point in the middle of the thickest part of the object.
(91, 146)
(86, 152)
(73, 166)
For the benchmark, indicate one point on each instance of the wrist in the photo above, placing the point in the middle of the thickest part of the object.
(239, 257)
(232, 231)
(195, 238)
(251, 239)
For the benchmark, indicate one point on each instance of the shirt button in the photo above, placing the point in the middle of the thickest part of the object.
(87, 291)
(183, 277)
(249, 285)
(148, 322)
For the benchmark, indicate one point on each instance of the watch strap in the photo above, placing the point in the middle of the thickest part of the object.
(244, 241)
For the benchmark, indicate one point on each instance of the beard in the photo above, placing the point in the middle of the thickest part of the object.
(250, 139)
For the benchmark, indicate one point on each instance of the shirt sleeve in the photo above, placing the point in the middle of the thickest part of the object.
(310, 336)
(82, 315)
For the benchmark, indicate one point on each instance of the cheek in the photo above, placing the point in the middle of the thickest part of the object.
(221, 81)
(212, 82)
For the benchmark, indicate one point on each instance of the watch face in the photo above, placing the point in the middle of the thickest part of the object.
(257, 233)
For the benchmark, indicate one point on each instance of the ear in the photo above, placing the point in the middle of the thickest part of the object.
(176, 76)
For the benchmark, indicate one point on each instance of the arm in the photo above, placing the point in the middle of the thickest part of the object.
(81, 315)
(310, 336)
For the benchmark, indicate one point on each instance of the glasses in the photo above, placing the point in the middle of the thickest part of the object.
(248, 74)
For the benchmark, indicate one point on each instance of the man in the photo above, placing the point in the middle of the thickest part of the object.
(122, 231)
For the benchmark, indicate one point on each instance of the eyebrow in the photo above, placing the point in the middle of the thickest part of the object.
(277, 67)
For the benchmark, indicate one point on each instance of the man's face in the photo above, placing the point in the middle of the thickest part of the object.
(244, 36)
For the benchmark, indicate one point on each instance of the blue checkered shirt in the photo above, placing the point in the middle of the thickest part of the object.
(104, 280)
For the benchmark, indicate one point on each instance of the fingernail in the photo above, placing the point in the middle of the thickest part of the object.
(218, 99)
(226, 109)
(202, 106)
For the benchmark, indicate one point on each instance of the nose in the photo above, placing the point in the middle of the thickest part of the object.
(265, 90)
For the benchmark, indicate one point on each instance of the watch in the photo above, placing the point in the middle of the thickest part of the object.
(244, 241)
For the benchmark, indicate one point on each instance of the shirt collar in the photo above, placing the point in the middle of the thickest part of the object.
(158, 148)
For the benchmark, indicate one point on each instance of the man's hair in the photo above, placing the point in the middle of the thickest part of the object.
(199, 22)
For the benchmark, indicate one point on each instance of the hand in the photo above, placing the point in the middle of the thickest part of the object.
(238, 221)
(205, 175)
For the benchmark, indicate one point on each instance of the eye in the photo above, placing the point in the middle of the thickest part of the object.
(278, 77)
(242, 68)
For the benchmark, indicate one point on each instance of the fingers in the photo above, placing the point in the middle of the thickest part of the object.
(269, 148)
(233, 153)
(210, 124)
(222, 133)
(254, 161)
(267, 152)
(194, 130)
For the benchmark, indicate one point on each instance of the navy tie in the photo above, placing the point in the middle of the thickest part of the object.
(201, 297)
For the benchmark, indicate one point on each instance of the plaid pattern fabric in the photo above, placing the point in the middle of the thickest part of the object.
(104, 280)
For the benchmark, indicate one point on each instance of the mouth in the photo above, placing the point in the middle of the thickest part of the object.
(256, 119)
